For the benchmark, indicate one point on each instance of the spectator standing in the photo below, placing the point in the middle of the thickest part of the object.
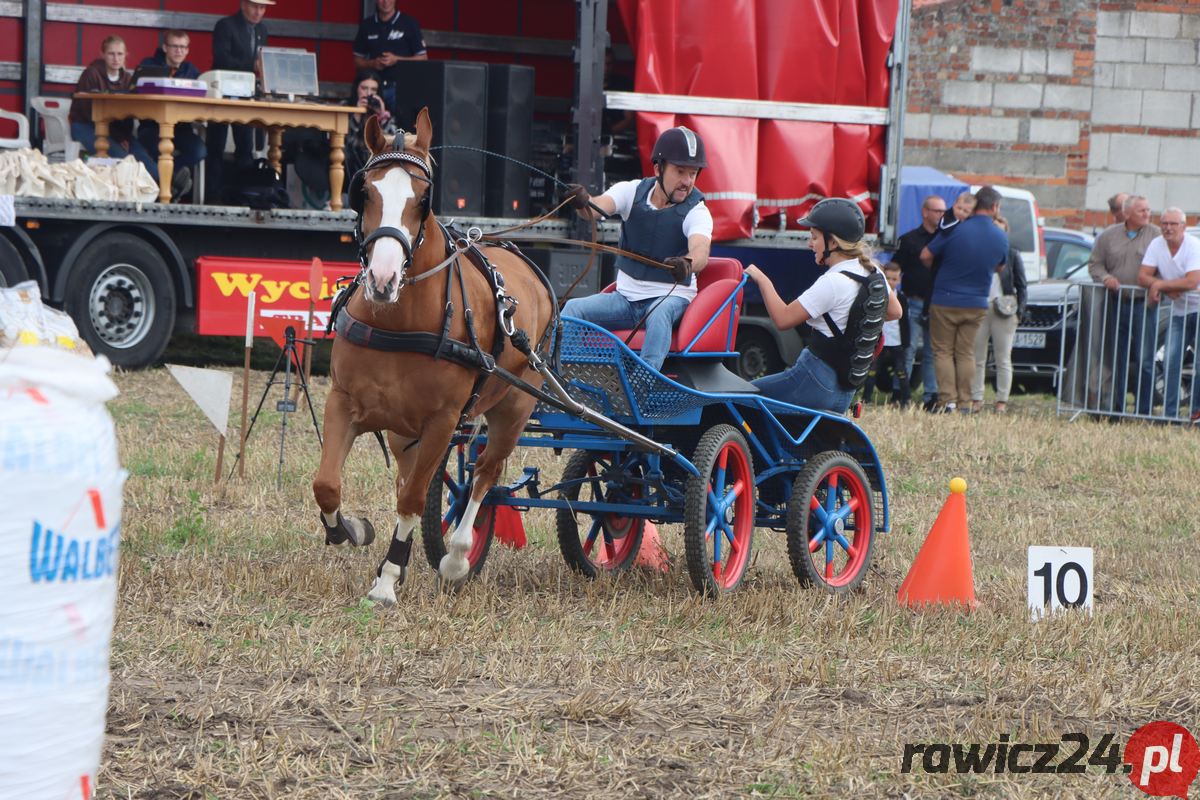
(108, 74)
(189, 148)
(1116, 206)
(1117, 313)
(891, 367)
(1171, 267)
(384, 39)
(1006, 304)
(969, 258)
(917, 280)
(237, 40)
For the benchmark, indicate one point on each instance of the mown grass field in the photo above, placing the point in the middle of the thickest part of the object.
(247, 665)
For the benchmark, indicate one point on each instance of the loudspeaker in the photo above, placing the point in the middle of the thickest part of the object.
(456, 94)
(509, 131)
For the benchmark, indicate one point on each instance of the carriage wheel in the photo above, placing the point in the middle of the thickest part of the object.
(445, 502)
(718, 512)
(611, 541)
(829, 527)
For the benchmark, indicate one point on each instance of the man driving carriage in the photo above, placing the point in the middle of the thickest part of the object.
(665, 219)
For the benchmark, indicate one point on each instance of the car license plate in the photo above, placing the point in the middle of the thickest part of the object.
(1032, 341)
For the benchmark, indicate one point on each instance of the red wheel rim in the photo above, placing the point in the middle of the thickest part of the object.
(730, 515)
(601, 547)
(839, 526)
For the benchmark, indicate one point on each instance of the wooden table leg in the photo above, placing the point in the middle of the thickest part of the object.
(101, 138)
(337, 173)
(275, 149)
(166, 160)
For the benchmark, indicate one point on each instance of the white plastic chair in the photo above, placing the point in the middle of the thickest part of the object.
(54, 111)
(22, 138)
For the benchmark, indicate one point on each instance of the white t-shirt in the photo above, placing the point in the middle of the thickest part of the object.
(834, 295)
(1170, 267)
(697, 221)
(891, 333)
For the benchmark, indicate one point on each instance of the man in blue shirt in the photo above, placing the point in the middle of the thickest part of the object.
(970, 258)
(384, 39)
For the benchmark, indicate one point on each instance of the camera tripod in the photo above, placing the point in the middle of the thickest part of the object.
(288, 358)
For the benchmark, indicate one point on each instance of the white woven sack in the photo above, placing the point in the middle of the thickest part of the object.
(60, 486)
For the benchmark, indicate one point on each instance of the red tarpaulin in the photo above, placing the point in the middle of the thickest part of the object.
(797, 51)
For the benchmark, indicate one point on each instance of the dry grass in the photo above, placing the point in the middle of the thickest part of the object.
(246, 666)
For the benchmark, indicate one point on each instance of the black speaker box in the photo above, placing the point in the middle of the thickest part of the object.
(509, 132)
(456, 95)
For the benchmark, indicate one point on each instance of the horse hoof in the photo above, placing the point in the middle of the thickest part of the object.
(356, 530)
(383, 592)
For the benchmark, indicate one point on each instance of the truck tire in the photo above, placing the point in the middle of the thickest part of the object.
(122, 297)
(757, 354)
(12, 266)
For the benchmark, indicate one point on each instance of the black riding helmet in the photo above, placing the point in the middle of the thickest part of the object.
(839, 217)
(680, 146)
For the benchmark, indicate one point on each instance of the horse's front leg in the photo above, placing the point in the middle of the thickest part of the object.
(327, 486)
(417, 466)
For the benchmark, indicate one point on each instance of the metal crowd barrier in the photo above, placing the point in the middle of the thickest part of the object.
(1123, 356)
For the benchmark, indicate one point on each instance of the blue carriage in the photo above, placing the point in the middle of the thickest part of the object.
(692, 444)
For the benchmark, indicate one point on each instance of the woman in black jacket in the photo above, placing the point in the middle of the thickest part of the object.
(1006, 305)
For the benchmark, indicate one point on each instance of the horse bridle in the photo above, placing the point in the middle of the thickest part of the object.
(358, 201)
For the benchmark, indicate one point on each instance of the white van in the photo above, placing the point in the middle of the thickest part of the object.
(1025, 228)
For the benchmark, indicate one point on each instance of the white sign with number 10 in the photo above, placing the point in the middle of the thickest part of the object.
(1059, 577)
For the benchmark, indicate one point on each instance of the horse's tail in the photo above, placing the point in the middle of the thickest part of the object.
(476, 423)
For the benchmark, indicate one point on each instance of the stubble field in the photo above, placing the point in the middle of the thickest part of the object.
(247, 665)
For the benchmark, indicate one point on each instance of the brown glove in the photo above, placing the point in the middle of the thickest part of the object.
(579, 196)
(681, 268)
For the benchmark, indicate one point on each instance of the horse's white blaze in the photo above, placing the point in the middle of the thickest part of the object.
(454, 565)
(387, 256)
(384, 589)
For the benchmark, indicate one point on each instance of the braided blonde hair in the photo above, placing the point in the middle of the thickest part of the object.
(859, 250)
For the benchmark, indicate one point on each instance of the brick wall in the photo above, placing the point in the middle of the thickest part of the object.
(1072, 99)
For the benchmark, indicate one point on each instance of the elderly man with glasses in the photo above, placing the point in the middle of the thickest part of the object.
(189, 148)
(1171, 268)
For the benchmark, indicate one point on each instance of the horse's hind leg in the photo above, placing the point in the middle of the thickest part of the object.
(506, 421)
(327, 486)
(417, 467)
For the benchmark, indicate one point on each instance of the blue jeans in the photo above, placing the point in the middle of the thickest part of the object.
(919, 337)
(1180, 333)
(612, 310)
(85, 134)
(810, 383)
(1125, 319)
(189, 148)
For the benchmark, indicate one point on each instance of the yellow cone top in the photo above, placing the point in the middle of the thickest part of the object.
(958, 486)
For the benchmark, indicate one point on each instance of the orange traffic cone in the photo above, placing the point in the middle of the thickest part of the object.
(941, 573)
(652, 554)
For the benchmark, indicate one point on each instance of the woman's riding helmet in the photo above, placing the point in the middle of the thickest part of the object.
(838, 216)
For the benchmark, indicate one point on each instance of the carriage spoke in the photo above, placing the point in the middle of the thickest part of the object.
(828, 559)
(590, 542)
(814, 505)
(831, 494)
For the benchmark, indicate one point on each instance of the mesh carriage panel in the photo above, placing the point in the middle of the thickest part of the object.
(597, 364)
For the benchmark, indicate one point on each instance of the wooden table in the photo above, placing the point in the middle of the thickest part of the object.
(168, 110)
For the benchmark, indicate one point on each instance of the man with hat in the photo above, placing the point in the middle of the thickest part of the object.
(665, 219)
(237, 40)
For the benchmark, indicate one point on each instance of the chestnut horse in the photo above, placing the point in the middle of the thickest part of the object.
(416, 398)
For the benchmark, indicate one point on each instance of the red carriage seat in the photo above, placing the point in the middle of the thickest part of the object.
(719, 279)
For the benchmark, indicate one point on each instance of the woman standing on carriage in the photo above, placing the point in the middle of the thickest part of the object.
(841, 308)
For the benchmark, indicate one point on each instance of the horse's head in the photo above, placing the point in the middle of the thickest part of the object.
(392, 194)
